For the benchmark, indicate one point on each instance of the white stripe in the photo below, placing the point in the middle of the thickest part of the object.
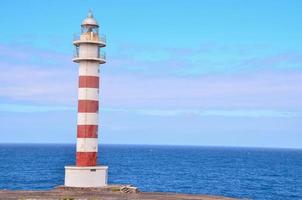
(87, 145)
(89, 94)
(89, 69)
(87, 118)
(88, 50)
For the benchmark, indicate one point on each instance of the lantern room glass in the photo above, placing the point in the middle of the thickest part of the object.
(90, 28)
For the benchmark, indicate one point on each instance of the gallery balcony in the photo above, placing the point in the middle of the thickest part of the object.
(90, 38)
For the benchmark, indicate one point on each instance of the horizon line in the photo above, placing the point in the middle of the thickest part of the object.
(175, 145)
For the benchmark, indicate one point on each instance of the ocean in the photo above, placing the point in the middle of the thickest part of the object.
(251, 173)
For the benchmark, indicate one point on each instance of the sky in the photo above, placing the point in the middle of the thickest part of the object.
(209, 72)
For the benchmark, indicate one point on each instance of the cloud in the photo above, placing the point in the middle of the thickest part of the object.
(204, 59)
(26, 55)
(35, 75)
(210, 113)
(267, 90)
(158, 112)
(19, 108)
(36, 83)
(277, 61)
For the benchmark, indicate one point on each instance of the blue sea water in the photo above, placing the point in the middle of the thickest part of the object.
(251, 173)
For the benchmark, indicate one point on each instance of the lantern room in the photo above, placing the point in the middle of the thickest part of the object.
(89, 25)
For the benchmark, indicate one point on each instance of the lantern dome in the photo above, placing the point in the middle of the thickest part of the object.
(89, 20)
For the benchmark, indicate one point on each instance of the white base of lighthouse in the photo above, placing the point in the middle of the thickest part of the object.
(95, 176)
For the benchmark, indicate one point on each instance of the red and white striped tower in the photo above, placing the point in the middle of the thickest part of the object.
(86, 173)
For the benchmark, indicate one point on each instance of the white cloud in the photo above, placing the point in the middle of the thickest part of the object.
(19, 108)
(206, 113)
(157, 112)
(49, 84)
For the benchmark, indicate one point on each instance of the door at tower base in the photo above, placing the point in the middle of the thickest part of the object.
(86, 176)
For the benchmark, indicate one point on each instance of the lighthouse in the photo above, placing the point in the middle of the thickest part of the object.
(88, 55)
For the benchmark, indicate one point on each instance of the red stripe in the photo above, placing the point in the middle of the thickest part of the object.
(86, 159)
(88, 106)
(89, 82)
(87, 131)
